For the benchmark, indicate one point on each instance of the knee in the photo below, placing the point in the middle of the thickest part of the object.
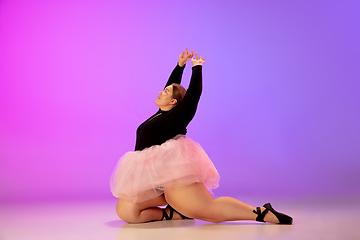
(126, 213)
(127, 217)
(122, 214)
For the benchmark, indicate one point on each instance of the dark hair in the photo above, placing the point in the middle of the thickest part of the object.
(178, 92)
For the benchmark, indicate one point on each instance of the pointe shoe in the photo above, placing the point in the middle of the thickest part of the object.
(172, 210)
(283, 218)
(167, 217)
(171, 213)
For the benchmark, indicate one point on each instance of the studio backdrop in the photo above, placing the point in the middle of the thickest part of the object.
(279, 114)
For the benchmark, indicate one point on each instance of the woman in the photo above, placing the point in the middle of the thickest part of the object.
(168, 168)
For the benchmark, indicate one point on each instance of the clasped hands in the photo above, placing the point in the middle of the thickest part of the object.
(195, 61)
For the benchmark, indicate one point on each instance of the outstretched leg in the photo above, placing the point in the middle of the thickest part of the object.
(142, 212)
(195, 201)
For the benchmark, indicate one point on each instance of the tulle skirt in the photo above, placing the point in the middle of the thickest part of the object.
(144, 175)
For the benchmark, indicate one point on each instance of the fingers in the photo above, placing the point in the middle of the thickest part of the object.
(187, 55)
(191, 55)
(195, 55)
(182, 54)
(197, 61)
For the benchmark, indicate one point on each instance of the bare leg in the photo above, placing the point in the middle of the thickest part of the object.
(142, 212)
(195, 201)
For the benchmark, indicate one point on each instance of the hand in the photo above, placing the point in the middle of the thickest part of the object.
(183, 58)
(197, 61)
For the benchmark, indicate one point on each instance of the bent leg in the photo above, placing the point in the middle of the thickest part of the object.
(142, 212)
(195, 201)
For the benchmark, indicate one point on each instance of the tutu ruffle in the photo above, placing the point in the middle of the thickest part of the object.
(143, 175)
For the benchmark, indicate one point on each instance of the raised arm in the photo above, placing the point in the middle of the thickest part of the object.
(176, 74)
(187, 107)
(195, 86)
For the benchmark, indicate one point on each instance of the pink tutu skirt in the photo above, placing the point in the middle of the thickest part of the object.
(144, 175)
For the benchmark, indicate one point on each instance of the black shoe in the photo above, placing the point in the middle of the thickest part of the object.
(167, 217)
(172, 210)
(283, 218)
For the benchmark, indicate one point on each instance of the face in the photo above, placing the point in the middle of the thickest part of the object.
(165, 101)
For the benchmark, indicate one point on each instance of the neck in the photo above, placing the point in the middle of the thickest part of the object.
(166, 108)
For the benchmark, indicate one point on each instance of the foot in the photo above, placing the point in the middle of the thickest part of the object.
(176, 216)
(268, 214)
(270, 217)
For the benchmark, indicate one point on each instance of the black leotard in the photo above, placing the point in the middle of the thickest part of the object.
(159, 129)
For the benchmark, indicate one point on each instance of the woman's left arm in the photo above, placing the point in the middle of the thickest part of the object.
(195, 87)
(187, 107)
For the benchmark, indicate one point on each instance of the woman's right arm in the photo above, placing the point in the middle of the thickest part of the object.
(176, 74)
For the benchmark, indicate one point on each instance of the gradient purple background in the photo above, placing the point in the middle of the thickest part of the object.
(280, 104)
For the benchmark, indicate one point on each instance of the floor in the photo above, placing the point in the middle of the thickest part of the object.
(325, 219)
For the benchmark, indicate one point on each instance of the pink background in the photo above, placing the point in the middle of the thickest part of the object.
(279, 114)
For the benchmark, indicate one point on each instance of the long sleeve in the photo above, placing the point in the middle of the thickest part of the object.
(195, 86)
(176, 75)
(187, 107)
